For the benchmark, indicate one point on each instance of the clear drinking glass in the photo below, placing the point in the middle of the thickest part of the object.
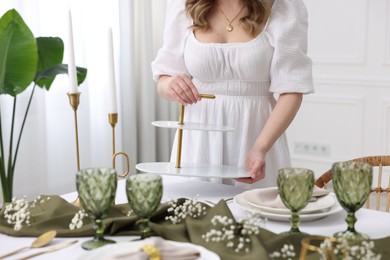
(352, 185)
(295, 189)
(97, 188)
(144, 193)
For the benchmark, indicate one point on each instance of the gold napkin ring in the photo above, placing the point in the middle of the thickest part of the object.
(151, 251)
(307, 246)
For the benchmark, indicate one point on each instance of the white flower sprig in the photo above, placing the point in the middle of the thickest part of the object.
(128, 214)
(18, 212)
(344, 248)
(348, 249)
(77, 220)
(287, 251)
(226, 231)
(190, 208)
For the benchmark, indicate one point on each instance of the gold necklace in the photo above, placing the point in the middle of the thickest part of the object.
(229, 27)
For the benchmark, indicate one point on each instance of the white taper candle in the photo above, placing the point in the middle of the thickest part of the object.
(111, 74)
(71, 61)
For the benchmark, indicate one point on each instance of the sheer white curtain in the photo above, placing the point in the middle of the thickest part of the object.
(47, 160)
(142, 24)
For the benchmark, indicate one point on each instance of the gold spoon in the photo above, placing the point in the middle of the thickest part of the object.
(40, 241)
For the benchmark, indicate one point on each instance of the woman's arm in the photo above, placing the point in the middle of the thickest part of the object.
(281, 117)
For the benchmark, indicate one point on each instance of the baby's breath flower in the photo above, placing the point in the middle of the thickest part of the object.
(18, 213)
(286, 252)
(190, 207)
(347, 248)
(77, 220)
(129, 213)
(226, 231)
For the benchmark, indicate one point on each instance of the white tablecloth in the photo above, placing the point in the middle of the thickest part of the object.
(373, 223)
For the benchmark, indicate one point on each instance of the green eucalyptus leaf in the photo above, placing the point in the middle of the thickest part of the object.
(18, 54)
(50, 54)
(60, 69)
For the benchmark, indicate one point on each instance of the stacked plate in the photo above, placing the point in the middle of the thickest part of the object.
(268, 202)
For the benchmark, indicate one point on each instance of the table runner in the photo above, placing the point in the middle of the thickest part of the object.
(56, 213)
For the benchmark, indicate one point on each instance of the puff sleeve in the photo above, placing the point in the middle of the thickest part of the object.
(170, 58)
(291, 68)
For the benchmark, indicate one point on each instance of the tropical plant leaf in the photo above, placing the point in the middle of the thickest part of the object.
(50, 53)
(18, 54)
(60, 69)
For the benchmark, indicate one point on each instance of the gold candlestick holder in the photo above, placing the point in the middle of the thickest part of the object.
(113, 120)
(180, 131)
(74, 101)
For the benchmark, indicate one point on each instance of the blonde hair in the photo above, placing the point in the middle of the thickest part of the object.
(253, 22)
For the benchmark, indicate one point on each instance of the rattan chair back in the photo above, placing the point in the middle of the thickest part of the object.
(381, 178)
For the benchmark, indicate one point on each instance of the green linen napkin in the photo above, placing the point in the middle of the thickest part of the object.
(192, 230)
(56, 213)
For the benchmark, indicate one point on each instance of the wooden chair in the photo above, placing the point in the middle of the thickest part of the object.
(378, 163)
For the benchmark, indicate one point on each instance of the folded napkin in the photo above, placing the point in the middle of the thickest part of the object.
(278, 203)
(157, 248)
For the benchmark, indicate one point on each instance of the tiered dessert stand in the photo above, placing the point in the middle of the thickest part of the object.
(187, 169)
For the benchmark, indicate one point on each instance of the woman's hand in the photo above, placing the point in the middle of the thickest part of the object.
(255, 165)
(178, 88)
(280, 118)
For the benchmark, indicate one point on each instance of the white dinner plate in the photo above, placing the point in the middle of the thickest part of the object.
(192, 126)
(193, 170)
(241, 202)
(259, 198)
(112, 250)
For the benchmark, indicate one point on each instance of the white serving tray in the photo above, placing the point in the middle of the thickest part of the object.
(193, 170)
(192, 126)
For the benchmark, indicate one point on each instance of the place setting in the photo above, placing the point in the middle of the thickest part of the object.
(322, 203)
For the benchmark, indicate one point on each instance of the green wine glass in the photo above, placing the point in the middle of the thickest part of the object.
(144, 193)
(295, 190)
(352, 184)
(96, 188)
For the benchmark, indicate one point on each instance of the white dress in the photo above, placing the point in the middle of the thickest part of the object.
(244, 78)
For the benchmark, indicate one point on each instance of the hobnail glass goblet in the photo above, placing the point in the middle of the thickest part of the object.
(96, 188)
(295, 190)
(144, 192)
(352, 185)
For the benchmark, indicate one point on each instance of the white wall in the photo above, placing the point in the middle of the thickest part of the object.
(349, 115)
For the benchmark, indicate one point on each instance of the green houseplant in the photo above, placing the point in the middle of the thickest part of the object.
(24, 60)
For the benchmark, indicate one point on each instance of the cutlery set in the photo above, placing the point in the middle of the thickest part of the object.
(39, 242)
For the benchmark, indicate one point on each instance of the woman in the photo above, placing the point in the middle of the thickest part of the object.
(243, 52)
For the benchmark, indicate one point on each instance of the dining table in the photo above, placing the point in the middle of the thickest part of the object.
(373, 223)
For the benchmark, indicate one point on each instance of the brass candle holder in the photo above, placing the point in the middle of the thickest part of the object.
(180, 131)
(113, 120)
(74, 101)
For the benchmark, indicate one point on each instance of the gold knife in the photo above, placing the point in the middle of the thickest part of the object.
(50, 249)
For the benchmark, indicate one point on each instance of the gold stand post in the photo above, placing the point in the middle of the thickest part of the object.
(113, 120)
(180, 131)
(179, 137)
(74, 101)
